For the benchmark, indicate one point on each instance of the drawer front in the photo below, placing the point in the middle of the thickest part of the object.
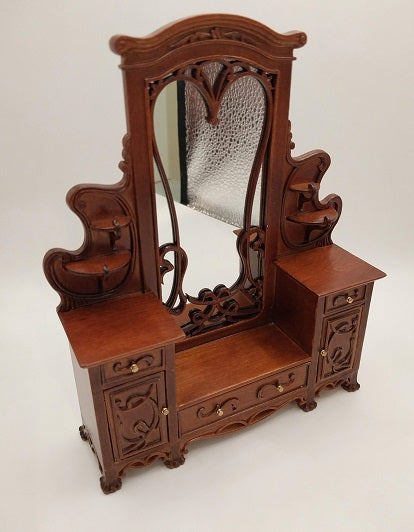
(135, 416)
(133, 366)
(345, 298)
(224, 405)
(339, 342)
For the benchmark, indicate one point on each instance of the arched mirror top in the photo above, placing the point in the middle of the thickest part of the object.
(228, 34)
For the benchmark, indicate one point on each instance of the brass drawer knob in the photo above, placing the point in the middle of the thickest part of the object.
(323, 353)
(134, 368)
(349, 299)
(280, 388)
(219, 411)
(165, 411)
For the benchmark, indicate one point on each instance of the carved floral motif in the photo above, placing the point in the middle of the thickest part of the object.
(220, 409)
(307, 221)
(213, 34)
(136, 417)
(339, 346)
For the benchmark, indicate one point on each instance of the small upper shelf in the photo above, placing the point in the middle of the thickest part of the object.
(111, 224)
(314, 217)
(305, 187)
(100, 266)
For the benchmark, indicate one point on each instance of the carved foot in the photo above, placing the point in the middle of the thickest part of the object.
(351, 386)
(83, 433)
(171, 464)
(307, 406)
(110, 486)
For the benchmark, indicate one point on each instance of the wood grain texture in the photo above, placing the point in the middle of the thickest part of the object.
(113, 329)
(328, 269)
(152, 378)
(232, 361)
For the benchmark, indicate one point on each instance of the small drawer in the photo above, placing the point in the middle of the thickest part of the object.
(345, 298)
(224, 405)
(133, 366)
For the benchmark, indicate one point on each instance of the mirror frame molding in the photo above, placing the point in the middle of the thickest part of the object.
(120, 253)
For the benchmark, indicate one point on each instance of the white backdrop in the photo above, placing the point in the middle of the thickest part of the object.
(347, 465)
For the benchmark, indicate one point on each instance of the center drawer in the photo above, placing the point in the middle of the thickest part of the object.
(224, 405)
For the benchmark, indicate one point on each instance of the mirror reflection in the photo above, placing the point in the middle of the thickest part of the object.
(207, 162)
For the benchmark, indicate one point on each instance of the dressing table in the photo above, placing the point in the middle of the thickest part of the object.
(160, 361)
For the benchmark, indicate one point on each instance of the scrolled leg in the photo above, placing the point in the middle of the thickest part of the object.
(307, 406)
(172, 463)
(110, 484)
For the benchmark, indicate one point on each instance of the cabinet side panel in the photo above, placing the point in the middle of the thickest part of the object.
(87, 407)
(295, 310)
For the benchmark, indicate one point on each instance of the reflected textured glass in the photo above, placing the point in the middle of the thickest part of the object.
(220, 157)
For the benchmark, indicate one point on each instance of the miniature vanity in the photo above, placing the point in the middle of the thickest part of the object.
(210, 196)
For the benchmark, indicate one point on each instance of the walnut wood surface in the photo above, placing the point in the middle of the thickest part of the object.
(233, 361)
(292, 324)
(113, 329)
(328, 269)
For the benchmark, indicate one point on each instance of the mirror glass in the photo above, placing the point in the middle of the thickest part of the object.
(205, 158)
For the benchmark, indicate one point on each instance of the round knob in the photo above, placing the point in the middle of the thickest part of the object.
(324, 352)
(280, 388)
(219, 411)
(165, 411)
(349, 299)
(134, 368)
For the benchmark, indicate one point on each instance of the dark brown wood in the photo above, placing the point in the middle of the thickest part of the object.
(328, 269)
(120, 327)
(247, 356)
(152, 377)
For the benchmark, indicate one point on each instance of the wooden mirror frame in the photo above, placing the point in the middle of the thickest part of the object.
(110, 287)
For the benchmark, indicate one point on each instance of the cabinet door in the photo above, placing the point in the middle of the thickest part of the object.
(135, 416)
(339, 341)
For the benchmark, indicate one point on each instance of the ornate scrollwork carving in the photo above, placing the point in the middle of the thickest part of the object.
(177, 299)
(277, 386)
(147, 359)
(144, 461)
(104, 263)
(213, 34)
(136, 418)
(308, 222)
(219, 409)
(340, 345)
(239, 421)
(330, 385)
(221, 305)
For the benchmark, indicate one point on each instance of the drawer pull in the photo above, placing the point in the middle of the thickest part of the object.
(323, 353)
(349, 299)
(218, 410)
(165, 411)
(134, 368)
(280, 388)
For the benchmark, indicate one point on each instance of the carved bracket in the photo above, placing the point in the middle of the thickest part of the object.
(105, 261)
(308, 222)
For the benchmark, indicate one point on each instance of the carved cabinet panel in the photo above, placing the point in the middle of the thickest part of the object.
(135, 415)
(338, 345)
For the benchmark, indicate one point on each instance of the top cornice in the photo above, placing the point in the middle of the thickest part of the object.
(208, 28)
